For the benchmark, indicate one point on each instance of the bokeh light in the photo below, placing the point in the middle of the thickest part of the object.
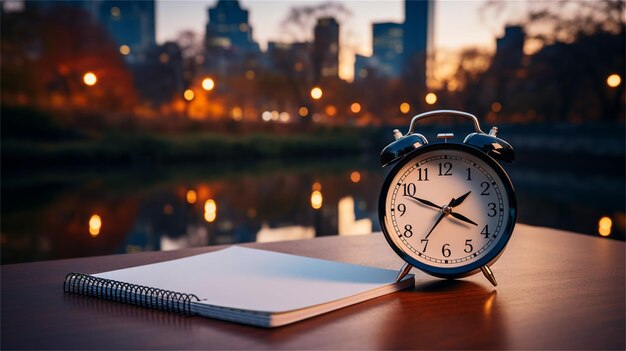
(496, 107)
(208, 84)
(95, 224)
(355, 177)
(192, 197)
(210, 210)
(124, 50)
(90, 79)
(613, 80)
(189, 95)
(316, 93)
(303, 111)
(316, 200)
(431, 98)
(355, 107)
(604, 226)
(405, 107)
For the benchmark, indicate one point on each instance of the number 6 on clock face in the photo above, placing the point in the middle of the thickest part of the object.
(447, 209)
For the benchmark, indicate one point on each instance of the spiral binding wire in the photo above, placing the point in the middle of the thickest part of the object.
(134, 294)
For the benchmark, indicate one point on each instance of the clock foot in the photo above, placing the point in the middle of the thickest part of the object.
(403, 271)
(489, 275)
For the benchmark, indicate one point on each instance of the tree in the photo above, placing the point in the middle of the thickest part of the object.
(45, 55)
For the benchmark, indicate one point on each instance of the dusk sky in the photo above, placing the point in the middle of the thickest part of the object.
(458, 24)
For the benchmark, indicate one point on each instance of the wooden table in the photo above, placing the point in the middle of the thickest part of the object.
(556, 290)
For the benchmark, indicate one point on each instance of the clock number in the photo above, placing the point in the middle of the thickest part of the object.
(409, 189)
(469, 173)
(485, 187)
(445, 169)
(492, 210)
(425, 245)
(419, 174)
(468, 246)
(407, 231)
(445, 250)
(402, 209)
(485, 231)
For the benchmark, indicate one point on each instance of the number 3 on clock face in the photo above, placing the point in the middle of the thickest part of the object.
(448, 209)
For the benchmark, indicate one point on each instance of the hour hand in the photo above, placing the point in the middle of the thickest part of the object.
(425, 202)
(456, 202)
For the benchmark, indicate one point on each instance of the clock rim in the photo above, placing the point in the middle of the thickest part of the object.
(490, 257)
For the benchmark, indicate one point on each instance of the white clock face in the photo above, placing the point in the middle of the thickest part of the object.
(446, 209)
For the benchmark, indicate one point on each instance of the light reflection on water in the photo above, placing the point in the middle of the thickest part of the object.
(58, 216)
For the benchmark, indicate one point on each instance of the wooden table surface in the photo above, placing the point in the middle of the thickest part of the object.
(556, 290)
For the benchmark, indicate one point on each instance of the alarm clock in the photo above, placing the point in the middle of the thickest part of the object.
(447, 208)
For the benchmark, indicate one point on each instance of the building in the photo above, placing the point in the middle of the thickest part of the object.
(388, 47)
(294, 58)
(510, 48)
(326, 48)
(131, 24)
(228, 39)
(160, 78)
(417, 38)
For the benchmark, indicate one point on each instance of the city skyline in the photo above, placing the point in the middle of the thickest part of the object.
(356, 31)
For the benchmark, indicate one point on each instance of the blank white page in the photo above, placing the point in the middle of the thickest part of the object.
(257, 280)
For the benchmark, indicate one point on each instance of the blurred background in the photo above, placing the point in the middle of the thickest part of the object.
(133, 126)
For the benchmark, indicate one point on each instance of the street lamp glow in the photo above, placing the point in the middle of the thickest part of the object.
(303, 111)
(316, 200)
(355, 107)
(210, 210)
(189, 95)
(316, 93)
(208, 84)
(192, 196)
(405, 107)
(124, 50)
(604, 226)
(95, 223)
(496, 107)
(90, 79)
(613, 80)
(355, 176)
(331, 110)
(431, 98)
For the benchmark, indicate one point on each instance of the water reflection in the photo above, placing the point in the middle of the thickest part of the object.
(348, 224)
(52, 216)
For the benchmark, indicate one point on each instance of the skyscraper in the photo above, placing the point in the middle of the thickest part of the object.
(228, 27)
(388, 48)
(228, 36)
(131, 24)
(418, 33)
(326, 48)
(510, 48)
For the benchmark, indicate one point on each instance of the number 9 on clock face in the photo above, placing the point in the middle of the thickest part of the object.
(447, 209)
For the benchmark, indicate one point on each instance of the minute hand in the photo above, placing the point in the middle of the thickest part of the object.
(426, 202)
(462, 218)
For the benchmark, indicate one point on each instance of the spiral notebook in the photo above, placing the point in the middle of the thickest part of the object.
(244, 285)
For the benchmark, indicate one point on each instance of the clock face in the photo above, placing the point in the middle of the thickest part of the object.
(447, 209)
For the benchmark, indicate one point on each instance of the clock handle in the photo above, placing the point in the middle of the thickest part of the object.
(489, 275)
(436, 113)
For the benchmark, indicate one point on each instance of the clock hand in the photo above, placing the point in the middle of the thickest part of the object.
(426, 202)
(437, 222)
(459, 201)
(445, 210)
(462, 218)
